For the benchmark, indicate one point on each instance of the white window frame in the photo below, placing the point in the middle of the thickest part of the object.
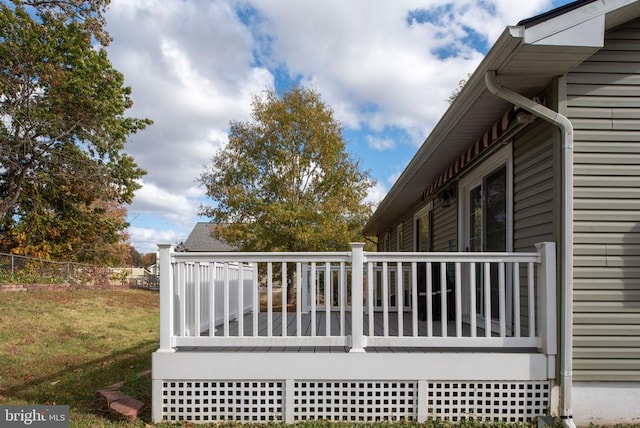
(386, 241)
(471, 180)
(420, 213)
(502, 157)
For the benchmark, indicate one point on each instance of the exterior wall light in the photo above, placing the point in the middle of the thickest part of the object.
(446, 196)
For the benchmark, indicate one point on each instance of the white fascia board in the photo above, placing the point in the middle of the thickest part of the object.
(436, 365)
(588, 33)
(584, 26)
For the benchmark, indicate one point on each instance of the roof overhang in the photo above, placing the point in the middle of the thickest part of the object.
(526, 58)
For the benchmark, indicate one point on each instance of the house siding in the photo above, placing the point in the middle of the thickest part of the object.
(533, 195)
(445, 226)
(603, 102)
(408, 227)
(407, 231)
(533, 199)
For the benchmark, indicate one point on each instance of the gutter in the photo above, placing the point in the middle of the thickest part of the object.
(566, 248)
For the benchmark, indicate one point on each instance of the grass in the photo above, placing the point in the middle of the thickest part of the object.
(59, 347)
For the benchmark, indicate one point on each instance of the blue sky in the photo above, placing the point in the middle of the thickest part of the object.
(386, 68)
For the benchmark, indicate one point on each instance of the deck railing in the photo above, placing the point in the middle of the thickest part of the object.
(358, 300)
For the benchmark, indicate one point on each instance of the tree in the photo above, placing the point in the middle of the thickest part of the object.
(148, 259)
(456, 92)
(63, 125)
(136, 257)
(92, 233)
(284, 181)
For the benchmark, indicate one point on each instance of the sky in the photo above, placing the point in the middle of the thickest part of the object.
(386, 69)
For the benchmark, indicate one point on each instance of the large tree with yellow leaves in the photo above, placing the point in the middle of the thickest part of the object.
(284, 181)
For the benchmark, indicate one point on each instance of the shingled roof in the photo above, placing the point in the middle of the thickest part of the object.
(201, 239)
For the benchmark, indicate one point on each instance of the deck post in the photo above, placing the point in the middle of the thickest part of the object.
(289, 386)
(357, 309)
(546, 304)
(166, 297)
(423, 410)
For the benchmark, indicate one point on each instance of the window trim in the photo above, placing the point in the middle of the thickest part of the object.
(501, 158)
(399, 237)
(428, 208)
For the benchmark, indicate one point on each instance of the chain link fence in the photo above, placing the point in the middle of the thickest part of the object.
(15, 269)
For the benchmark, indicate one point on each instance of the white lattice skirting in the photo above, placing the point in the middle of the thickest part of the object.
(352, 401)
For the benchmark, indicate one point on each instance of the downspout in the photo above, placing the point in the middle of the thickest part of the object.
(566, 265)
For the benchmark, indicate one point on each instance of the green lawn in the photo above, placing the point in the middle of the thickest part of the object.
(59, 347)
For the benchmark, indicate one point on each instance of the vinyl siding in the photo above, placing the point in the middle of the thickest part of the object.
(407, 221)
(445, 226)
(408, 229)
(533, 209)
(533, 199)
(604, 105)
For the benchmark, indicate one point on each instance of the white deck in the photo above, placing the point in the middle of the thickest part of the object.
(389, 347)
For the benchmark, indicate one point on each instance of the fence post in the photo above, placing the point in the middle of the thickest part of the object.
(166, 297)
(546, 304)
(357, 309)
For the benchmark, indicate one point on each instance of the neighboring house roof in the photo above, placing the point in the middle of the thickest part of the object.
(201, 239)
(526, 58)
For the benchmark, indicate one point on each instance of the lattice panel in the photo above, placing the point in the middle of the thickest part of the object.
(354, 401)
(489, 401)
(206, 401)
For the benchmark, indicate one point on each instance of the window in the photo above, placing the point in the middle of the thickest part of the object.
(399, 237)
(485, 205)
(423, 221)
(486, 217)
(495, 224)
(386, 241)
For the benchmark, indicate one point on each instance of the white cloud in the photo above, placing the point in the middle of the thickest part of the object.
(373, 64)
(190, 65)
(147, 239)
(151, 199)
(376, 194)
(380, 143)
(191, 68)
(194, 66)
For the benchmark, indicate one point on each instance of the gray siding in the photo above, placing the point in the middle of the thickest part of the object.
(533, 199)
(407, 231)
(406, 219)
(604, 105)
(445, 226)
(533, 196)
